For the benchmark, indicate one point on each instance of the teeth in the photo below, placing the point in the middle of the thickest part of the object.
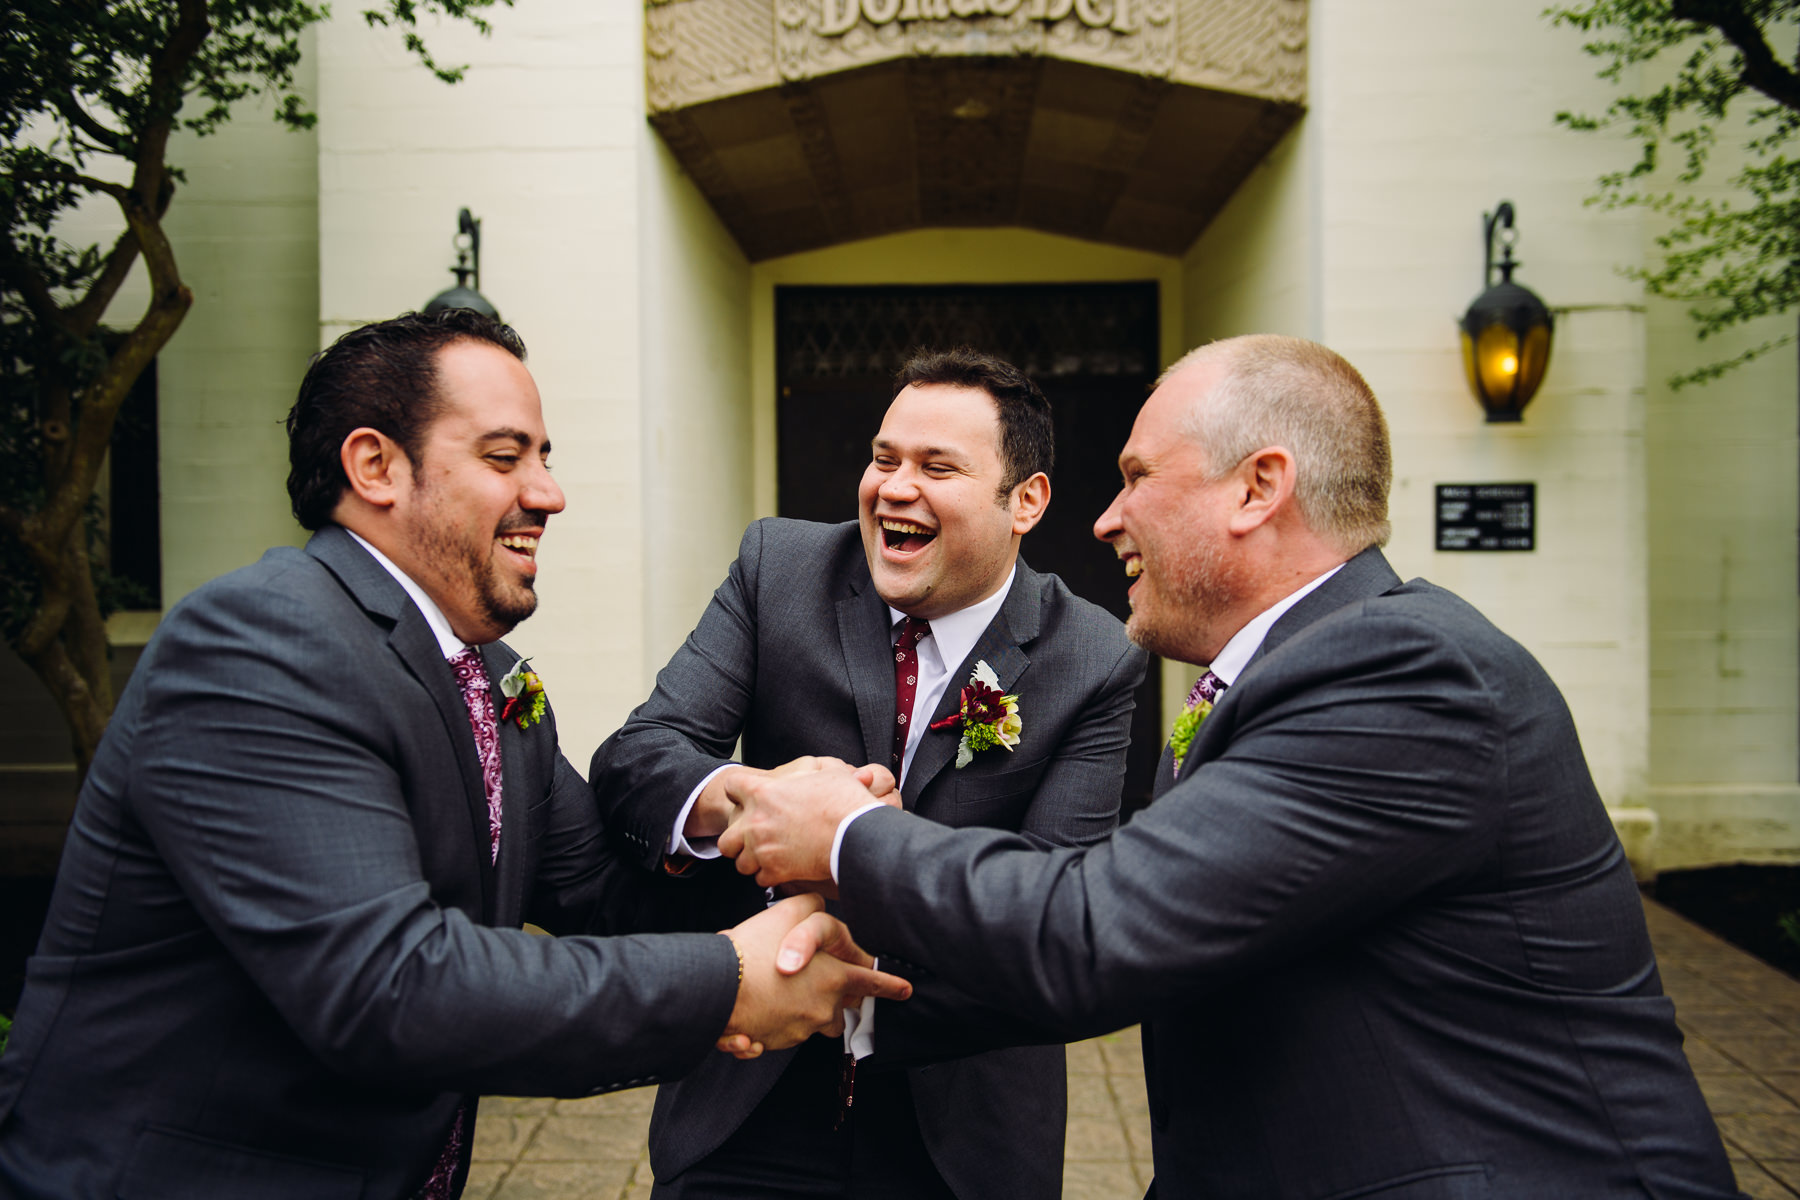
(1134, 567)
(519, 541)
(893, 526)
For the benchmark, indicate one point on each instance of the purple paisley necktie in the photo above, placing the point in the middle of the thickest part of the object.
(478, 694)
(1208, 687)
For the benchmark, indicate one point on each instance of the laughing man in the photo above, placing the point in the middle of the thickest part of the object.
(866, 641)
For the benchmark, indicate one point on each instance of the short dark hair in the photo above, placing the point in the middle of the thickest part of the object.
(383, 376)
(1027, 434)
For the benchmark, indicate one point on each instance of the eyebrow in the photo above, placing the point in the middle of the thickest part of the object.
(519, 437)
(880, 443)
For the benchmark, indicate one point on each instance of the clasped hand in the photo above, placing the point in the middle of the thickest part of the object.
(781, 826)
(801, 970)
(783, 822)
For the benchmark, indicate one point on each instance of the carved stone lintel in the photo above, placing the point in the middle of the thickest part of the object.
(811, 122)
(702, 50)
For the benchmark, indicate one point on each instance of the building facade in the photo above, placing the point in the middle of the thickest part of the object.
(703, 215)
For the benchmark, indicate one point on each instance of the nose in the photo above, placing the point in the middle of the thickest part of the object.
(1110, 525)
(899, 485)
(541, 492)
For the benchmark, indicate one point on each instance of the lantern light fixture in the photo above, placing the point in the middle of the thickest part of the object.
(1506, 332)
(468, 268)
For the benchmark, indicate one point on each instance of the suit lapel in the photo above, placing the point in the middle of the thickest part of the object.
(866, 635)
(1164, 779)
(1363, 577)
(418, 651)
(1014, 626)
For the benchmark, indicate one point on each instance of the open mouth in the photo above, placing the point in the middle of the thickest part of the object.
(904, 536)
(1134, 566)
(523, 544)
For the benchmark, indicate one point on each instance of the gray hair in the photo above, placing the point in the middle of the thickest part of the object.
(1283, 391)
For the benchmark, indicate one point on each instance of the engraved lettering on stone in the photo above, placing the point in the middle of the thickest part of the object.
(835, 18)
(1094, 14)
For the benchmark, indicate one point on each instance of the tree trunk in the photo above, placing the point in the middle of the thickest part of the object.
(74, 663)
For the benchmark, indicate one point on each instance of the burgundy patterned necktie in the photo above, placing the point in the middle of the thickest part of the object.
(478, 694)
(906, 683)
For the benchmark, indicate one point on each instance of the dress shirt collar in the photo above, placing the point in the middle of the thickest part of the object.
(448, 642)
(1236, 655)
(957, 633)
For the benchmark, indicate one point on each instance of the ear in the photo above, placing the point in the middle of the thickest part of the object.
(378, 470)
(1265, 482)
(1028, 502)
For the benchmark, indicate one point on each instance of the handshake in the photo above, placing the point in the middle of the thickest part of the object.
(801, 968)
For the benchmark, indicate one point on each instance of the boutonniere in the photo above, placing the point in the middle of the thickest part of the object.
(988, 719)
(1186, 726)
(524, 693)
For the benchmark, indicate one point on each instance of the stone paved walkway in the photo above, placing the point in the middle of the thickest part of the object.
(1742, 1021)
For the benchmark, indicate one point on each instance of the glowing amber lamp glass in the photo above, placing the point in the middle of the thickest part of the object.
(1506, 348)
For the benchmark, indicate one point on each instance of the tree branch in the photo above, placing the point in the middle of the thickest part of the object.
(85, 315)
(170, 300)
(105, 188)
(168, 70)
(1762, 70)
(72, 111)
(32, 287)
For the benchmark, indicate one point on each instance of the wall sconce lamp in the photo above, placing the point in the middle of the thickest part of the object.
(1506, 332)
(468, 263)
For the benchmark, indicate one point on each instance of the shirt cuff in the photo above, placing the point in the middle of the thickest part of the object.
(859, 1027)
(699, 847)
(837, 841)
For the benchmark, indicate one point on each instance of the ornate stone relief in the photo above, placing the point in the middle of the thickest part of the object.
(698, 50)
(702, 50)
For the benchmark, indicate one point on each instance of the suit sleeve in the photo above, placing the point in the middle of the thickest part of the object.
(264, 772)
(1351, 778)
(644, 772)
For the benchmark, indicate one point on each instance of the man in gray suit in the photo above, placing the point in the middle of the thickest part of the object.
(1377, 926)
(863, 641)
(282, 956)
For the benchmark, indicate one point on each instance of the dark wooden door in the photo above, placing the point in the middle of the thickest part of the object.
(1091, 347)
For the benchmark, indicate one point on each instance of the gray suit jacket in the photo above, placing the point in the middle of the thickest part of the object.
(277, 957)
(795, 655)
(1381, 935)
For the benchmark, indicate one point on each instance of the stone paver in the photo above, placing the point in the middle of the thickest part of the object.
(1741, 1018)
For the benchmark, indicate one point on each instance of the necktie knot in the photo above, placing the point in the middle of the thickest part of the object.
(913, 630)
(471, 674)
(1207, 687)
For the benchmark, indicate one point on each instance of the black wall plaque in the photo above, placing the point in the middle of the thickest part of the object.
(1487, 516)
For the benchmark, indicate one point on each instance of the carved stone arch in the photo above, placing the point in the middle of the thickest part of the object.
(811, 122)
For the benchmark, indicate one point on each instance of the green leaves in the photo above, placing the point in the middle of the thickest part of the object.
(1732, 261)
(90, 93)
